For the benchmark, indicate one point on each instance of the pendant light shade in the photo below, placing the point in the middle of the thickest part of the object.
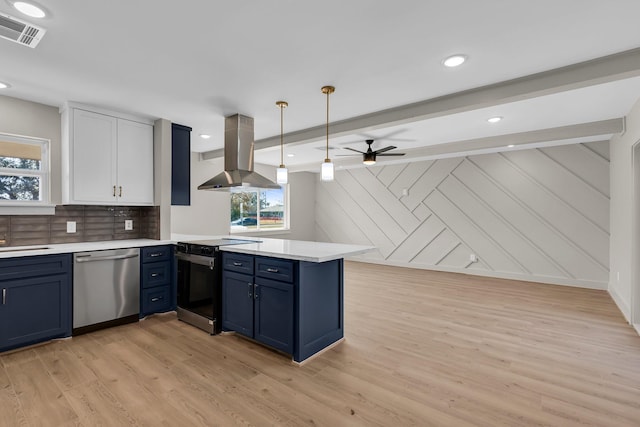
(327, 171)
(327, 167)
(282, 175)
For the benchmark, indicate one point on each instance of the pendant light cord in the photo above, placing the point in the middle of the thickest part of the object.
(281, 136)
(282, 105)
(327, 125)
(328, 90)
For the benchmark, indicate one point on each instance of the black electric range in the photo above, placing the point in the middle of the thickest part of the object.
(199, 287)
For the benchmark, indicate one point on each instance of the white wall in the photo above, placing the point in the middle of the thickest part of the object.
(162, 174)
(622, 213)
(302, 200)
(209, 212)
(540, 215)
(27, 118)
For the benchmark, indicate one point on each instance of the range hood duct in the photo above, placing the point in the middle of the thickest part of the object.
(238, 158)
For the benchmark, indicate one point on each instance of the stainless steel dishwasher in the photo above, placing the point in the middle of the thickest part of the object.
(106, 289)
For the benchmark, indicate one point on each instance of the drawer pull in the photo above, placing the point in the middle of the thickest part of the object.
(155, 274)
(156, 299)
(156, 254)
(237, 264)
(272, 270)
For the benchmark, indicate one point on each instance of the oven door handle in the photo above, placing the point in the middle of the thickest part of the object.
(197, 259)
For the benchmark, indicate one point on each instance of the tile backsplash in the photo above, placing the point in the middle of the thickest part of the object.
(93, 223)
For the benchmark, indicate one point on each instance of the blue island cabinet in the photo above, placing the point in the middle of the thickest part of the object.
(36, 299)
(293, 306)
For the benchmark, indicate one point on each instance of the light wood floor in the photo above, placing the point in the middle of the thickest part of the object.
(422, 348)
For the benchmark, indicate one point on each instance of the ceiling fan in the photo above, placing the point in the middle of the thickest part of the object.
(369, 156)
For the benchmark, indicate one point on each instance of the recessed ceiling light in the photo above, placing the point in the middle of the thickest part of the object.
(495, 119)
(4, 85)
(205, 136)
(510, 146)
(29, 9)
(290, 155)
(454, 60)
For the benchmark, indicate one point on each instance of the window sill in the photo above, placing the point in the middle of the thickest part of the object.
(27, 209)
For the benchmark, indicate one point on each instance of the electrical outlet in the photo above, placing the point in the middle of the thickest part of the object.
(71, 226)
(128, 224)
(473, 258)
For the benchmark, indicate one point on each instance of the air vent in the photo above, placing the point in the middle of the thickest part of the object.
(19, 31)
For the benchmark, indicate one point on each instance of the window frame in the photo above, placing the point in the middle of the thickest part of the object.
(42, 206)
(285, 227)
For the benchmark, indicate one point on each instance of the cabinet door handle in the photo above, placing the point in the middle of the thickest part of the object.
(156, 299)
(114, 191)
(120, 195)
(250, 285)
(272, 270)
(237, 264)
(4, 296)
(255, 292)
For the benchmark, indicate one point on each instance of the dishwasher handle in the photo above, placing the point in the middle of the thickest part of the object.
(89, 258)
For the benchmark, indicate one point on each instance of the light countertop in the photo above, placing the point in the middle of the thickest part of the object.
(277, 248)
(283, 248)
(65, 248)
(299, 249)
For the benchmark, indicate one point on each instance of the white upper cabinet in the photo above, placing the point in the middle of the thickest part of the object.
(106, 159)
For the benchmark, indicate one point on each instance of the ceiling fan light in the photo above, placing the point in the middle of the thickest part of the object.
(369, 158)
(282, 175)
(326, 173)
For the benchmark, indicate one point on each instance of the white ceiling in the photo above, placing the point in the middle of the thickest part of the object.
(194, 62)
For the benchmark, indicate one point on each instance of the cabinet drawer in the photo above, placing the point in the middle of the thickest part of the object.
(237, 262)
(156, 253)
(275, 269)
(156, 274)
(34, 266)
(156, 300)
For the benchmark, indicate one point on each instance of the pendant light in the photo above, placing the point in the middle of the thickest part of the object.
(282, 175)
(327, 167)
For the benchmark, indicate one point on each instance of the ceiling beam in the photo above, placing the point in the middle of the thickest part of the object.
(597, 71)
(557, 135)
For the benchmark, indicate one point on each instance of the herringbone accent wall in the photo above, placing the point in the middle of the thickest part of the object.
(538, 214)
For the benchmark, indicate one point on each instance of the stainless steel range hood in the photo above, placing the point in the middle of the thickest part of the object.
(238, 158)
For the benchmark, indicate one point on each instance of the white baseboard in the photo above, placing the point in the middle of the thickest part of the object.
(623, 306)
(588, 284)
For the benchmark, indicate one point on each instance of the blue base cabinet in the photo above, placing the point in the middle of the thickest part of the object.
(36, 300)
(237, 302)
(157, 284)
(293, 306)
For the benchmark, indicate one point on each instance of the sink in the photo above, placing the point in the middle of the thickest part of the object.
(36, 248)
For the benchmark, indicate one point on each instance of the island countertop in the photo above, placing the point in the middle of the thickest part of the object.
(298, 249)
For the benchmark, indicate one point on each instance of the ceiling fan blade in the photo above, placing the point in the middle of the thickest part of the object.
(391, 154)
(357, 151)
(382, 150)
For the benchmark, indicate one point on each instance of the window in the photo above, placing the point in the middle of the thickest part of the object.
(258, 209)
(24, 171)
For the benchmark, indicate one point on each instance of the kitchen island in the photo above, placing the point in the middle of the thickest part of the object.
(286, 294)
